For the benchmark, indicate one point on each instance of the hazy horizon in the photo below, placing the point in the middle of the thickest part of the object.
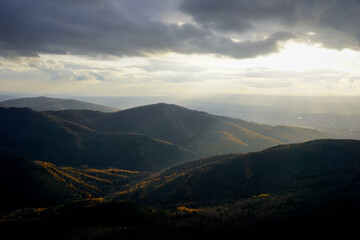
(336, 115)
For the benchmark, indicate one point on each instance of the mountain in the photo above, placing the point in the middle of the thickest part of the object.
(297, 191)
(46, 103)
(41, 136)
(25, 184)
(314, 169)
(200, 132)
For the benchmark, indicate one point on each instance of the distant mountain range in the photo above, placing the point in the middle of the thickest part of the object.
(200, 132)
(41, 136)
(145, 138)
(46, 103)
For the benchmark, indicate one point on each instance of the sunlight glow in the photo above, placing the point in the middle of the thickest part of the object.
(303, 57)
(297, 69)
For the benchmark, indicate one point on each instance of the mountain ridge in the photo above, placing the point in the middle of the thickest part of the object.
(319, 165)
(195, 130)
(41, 136)
(46, 103)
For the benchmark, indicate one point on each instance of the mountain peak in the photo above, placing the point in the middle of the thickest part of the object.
(162, 105)
(197, 131)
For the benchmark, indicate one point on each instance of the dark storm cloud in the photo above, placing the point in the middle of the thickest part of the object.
(341, 24)
(79, 27)
(336, 22)
(134, 27)
(237, 15)
(106, 27)
(245, 49)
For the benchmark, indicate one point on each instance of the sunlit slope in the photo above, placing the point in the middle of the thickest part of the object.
(36, 184)
(46, 103)
(41, 136)
(86, 183)
(200, 132)
(26, 184)
(321, 167)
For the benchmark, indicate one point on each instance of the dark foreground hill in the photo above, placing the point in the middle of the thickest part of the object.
(26, 184)
(46, 103)
(35, 184)
(299, 191)
(321, 167)
(200, 132)
(41, 136)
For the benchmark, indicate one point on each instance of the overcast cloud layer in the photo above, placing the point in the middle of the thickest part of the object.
(145, 27)
(334, 22)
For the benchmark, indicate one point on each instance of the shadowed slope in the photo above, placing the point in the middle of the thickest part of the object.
(26, 184)
(35, 184)
(298, 191)
(44, 137)
(200, 132)
(322, 166)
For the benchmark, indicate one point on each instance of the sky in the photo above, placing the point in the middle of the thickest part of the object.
(184, 48)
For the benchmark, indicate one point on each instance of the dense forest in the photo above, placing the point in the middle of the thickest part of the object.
(308, 189)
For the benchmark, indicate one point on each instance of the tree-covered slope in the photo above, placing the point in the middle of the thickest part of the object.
(35, 184)
(26, 184)
(200, 132)
(298, 191)
(41, 136)
(316, 167)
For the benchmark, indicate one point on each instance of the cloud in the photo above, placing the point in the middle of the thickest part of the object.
(335, 22)
(156, 65)
(237, 15)
(109, 27)
(60, 71)
(244, 49)
(14, 53)
(145, 27)
(269, 78)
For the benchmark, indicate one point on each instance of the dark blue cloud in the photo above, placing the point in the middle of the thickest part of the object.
(237, 15)
(336, 22)
(132, 27)
(109, 28)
